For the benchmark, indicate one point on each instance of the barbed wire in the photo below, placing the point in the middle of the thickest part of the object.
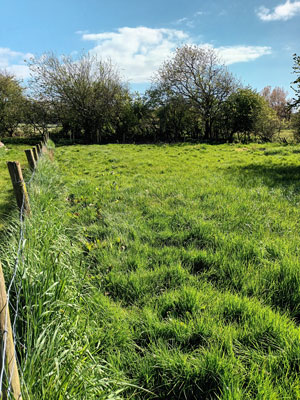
(12, 285)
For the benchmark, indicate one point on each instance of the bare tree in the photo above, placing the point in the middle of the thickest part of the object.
(198, 75)
(277, 99)
(296, 68)
(85, 93)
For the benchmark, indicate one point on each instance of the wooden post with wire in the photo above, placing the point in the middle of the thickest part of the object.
(30, 159)
(19, 186)
(10, 354)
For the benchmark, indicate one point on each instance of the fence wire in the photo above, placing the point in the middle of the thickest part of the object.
(17, 287)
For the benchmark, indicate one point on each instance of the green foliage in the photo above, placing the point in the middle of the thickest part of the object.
(194, 98)
(245, 113)
(296, 125)
(11, 104)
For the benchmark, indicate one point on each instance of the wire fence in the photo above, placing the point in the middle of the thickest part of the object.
(13, 296)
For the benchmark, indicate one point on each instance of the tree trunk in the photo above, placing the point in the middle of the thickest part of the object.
(207, 130)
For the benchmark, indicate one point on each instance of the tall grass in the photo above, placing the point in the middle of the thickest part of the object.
(53, 326)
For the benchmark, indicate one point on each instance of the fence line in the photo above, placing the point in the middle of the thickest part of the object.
(9, 368)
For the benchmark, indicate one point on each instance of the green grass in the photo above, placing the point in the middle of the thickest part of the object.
(12, 152)
(163, 272)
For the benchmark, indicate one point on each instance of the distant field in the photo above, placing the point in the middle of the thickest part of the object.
(287, 134)
(193, 253)
(12, 152)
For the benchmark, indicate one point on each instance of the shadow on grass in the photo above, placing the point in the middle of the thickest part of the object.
(286, 177)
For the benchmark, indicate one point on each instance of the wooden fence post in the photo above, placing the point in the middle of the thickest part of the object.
(35, 154)
(30, 159)
(10, 356)
(37, 150)
(19, 185)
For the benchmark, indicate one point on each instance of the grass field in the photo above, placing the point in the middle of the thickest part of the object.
(163, 272)
(12, 152)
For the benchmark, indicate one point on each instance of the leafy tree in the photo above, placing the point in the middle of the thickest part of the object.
(86, 94)
(11, 103)
(176, 119)
(267, 123)
(197, 75)
(37, 116)
(245, 112)
(137, 121)
(295, 120)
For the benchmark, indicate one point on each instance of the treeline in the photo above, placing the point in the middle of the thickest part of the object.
(193, 97)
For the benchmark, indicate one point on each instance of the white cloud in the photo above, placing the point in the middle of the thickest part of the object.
(235, 54)
(189, 22)
(281, 12)
(140, 51)
(13, 61)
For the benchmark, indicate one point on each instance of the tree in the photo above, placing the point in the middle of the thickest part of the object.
(246, 113)
(197, 75)
(11, 103)
(296, 101)
(86, 94)
(277, 100)
(295, 122)
(176, 119)
(296, 68)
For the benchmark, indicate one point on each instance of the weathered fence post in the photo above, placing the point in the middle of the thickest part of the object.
(38, 150)
(30, 159)
(35, 154)
(19, 185)
(7, 338)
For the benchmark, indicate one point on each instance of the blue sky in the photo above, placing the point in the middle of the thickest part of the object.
(256, 39)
